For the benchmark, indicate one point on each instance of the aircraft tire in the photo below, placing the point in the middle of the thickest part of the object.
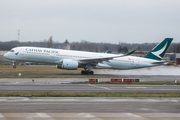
(91, 72)
(86, 72)
(14, 66)
(83, 72)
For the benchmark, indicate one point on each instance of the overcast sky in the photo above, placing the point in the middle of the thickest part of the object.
(110, 21)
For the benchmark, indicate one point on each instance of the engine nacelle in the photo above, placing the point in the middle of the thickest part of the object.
(68, 64)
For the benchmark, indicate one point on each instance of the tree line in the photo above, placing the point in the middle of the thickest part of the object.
(84, 45)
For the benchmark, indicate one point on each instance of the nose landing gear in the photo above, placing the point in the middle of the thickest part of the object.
(14, 64)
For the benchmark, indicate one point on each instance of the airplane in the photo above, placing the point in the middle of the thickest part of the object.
(72, 60)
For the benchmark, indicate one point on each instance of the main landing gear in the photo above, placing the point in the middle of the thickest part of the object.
(87, 72)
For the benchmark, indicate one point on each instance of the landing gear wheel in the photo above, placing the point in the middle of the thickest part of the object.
(86, 72)
(83, 72)
(91, 72)
(14, 66)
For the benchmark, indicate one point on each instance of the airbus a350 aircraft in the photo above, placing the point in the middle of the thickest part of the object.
(72, 60)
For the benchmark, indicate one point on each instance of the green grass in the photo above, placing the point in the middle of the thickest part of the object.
(45, 69)
(91, 94)
(58, 76)
(52, 69)
(35, 69)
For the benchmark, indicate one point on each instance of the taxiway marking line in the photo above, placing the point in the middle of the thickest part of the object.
(93, 85)
(136, 116)
(136, 87)
(2, 117)
(106, 88)
(100, 87)
(88, 116)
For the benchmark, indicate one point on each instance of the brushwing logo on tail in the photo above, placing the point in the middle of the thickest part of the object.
(157, 53)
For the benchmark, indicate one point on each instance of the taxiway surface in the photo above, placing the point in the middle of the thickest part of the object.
(65, 84)
(91, 88)
(146, 76)
(89, 108)
(89, 105)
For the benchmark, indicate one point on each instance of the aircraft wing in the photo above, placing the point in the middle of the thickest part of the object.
(98, 60)
(101, 59)
(92, 62)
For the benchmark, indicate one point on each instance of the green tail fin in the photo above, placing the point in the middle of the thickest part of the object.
(158, 52)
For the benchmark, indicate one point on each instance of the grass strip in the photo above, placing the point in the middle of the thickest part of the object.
(46, 69)
(35, 69)
(90, 94)
(58, 76)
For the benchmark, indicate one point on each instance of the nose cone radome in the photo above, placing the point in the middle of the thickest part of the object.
(6, 55)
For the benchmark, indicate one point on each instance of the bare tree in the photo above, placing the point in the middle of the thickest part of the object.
(50, 43)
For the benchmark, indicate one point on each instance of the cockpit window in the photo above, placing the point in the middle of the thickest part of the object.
(11, 50)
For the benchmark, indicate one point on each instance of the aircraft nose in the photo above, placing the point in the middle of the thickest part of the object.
(6, 55)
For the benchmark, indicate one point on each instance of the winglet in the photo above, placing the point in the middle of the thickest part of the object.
(158, 51)
(108, 51)
(131, 52)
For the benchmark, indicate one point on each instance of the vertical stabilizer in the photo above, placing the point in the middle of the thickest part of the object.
(159, 50)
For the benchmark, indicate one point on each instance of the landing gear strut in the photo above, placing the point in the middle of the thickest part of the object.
(14, 64)
(87, 72)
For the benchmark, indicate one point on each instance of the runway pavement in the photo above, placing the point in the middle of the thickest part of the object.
(65, 84)
(89, 105)
(90, 88)
(91, 108)
(89, 116)
(105, 77)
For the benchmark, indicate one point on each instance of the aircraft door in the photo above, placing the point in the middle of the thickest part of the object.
(137, 62)
(21, 52)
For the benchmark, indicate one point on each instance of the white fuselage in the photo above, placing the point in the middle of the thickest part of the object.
(48, 55)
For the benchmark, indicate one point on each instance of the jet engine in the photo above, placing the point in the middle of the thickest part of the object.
(68, 64)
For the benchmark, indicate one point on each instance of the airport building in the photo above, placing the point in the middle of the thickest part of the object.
(172, 57)
(177, 56)
(140, 53)
(66, 45)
